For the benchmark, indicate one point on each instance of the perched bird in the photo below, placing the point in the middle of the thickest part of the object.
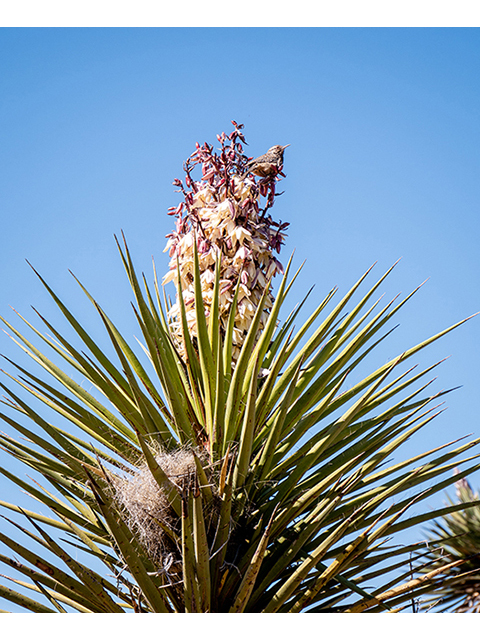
(269, 163)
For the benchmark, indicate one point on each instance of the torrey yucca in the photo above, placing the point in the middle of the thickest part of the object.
(232, 465)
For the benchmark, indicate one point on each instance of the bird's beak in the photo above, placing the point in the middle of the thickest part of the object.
(285, 146)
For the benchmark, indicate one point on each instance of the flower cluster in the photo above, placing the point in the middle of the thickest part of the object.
(222, 213)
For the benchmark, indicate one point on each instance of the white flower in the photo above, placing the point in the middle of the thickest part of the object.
(221, 216)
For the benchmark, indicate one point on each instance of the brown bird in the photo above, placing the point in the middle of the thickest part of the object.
(268, 164)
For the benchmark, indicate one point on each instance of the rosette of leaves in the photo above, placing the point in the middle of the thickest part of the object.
(183, 483)
(455, 540)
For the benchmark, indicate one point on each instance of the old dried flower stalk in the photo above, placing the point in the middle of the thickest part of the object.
(225, 213)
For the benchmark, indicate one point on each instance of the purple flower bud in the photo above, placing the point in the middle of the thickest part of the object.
(231, 209)
(203, 245)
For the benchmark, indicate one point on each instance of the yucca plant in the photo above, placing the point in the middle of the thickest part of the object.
(455, 538)
(231, 465)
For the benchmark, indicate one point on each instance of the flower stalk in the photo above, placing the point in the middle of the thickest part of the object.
(225, 216)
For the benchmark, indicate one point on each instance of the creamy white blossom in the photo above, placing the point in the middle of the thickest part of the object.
(225, 214)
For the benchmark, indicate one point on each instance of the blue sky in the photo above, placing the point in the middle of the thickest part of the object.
(384, 162)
